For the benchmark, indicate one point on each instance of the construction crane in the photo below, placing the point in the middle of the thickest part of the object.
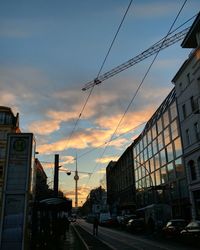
(160, 45)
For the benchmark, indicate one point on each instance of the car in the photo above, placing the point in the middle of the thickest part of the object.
(174, 227)
(136, 225)
(192, 230)
(125, 218)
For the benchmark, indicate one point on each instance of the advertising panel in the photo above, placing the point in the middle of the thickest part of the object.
(16, 192)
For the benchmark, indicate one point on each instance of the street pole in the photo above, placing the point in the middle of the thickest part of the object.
(76, 178)
(56, 173)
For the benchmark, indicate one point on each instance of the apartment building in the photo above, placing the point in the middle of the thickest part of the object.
(187, 84)
(9, 123)
(121, 184)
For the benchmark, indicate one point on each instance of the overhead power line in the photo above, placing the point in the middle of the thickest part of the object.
(91, 90)
(142, 81)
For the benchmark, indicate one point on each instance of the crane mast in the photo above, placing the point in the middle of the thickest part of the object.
(160, 45)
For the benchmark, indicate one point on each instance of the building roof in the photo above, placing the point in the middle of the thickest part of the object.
(190, 40)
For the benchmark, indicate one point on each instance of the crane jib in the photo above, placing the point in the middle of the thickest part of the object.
(160, 45)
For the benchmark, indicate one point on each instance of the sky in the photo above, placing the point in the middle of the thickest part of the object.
(50, 49)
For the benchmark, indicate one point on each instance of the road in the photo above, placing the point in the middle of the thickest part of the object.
(118, 240)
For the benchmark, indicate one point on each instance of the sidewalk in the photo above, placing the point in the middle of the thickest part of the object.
(68, 242)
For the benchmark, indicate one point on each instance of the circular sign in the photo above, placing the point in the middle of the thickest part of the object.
(19, 145)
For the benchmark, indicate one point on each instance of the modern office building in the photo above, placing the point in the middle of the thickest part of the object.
(160, 176)
(9, 123)
(187, 84)
(121, 184)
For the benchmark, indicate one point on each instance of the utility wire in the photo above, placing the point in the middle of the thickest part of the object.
(138, 88)
(90, 93)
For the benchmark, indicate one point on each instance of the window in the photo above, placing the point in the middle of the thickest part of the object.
(171, 173)
(154, 131)
(188, 78)
(178, 147)
(159, 125)
(166, 119)
(157, 176)
(154, 145)
(187, 134)
(173, 111)
(149, 136)
(160, 142)
(179, 167)
(193, 173)
(170, 155)
(184, 111)
(196, 130)
(166, 136)
(164, 176)
(180, 86)
(174, 129)
(163, 157)
(157, 161)
(192, 103)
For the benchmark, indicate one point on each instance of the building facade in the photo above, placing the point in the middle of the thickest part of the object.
(160, 175)
(9, 123)
(187, 84)
(120, 184)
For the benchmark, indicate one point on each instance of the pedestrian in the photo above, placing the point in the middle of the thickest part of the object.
(95, 225)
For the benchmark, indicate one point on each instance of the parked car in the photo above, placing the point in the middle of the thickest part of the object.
(174, 227)
(124, 220)
(136, 225)
(192, 230)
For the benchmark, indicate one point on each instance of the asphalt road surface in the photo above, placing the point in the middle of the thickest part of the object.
(118, 240)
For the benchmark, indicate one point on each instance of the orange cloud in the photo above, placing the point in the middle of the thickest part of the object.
(44, 127)
(107, 159)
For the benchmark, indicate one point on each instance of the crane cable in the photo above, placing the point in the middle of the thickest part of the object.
(91, 90)
(138, 88)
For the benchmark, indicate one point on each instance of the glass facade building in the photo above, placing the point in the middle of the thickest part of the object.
(158, 165)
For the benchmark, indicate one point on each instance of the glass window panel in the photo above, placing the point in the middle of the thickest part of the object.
(178, 147)
(174, 129)
(167, 136)
(148, 180)
(150, 150)
(152, 164)
(159, 125)
(157, 176)
(160, 142)
(154, 144)
(154, 131)
(149, 138)
(164, 175)
(179, 167)
(173, 111)
(141, 145)
(157, 161)
(152, 178)
(165, 119)
(145, 154)
(170, 155)
(145, 140)
(143, 170)
(171, 173)
(163, 157)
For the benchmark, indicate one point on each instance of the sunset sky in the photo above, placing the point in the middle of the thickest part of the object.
(50, 49)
